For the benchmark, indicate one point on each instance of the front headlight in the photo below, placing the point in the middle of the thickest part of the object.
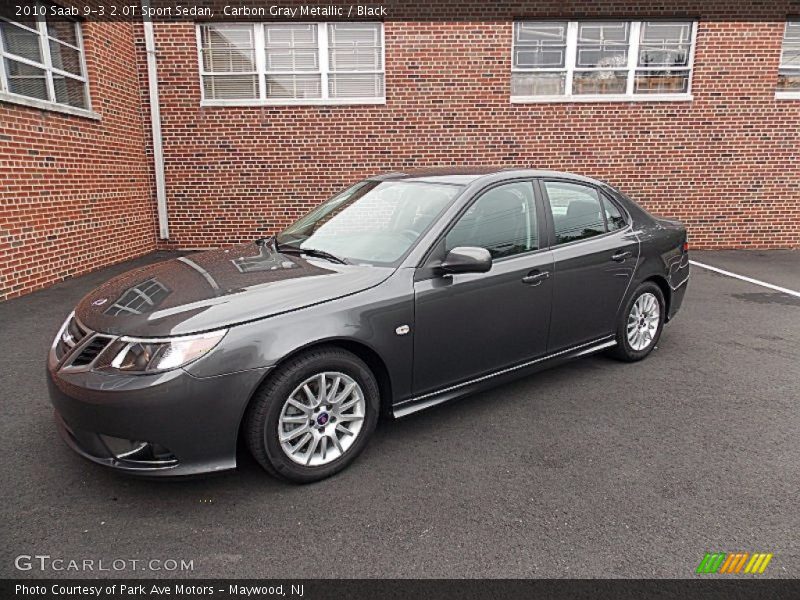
(142, 355)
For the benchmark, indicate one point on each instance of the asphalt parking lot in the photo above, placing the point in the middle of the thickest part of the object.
(593, 469)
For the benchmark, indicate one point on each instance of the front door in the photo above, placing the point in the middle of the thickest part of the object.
(468, 325)
(594, 256)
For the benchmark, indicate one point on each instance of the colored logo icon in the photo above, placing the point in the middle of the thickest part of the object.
(734, 563)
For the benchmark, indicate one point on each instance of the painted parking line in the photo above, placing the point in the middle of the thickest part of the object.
(747, 279)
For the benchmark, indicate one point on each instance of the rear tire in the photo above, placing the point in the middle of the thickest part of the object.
(313, 416)
(639, 323)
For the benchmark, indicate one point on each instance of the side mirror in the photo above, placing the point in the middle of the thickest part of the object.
(467, 259)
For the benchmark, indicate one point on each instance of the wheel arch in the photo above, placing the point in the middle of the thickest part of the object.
(666, 291)
(363, 351)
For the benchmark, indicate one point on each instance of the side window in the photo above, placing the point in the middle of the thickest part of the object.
(503, 220)
(577, 211)
(614, 218)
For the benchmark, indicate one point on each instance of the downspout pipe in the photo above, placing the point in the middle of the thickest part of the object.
(155, 122)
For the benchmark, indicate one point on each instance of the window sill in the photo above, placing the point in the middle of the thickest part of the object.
(787, 95)
(602, 98)
(49, 106)
(303, 102)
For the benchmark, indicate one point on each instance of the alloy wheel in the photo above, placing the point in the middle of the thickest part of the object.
(643, 321)
(321, 418)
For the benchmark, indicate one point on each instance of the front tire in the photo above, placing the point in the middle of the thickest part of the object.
(639, 323)
(313, 416)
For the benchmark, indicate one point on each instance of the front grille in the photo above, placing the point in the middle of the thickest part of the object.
(86, 355)
(78, 347)
(72, 335)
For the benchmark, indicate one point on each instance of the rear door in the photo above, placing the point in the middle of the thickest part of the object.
(594, 256)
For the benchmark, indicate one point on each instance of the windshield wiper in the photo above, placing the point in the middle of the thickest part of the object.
(310, 252)
(323, 254)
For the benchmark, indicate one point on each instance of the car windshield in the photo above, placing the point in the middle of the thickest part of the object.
(373, 222)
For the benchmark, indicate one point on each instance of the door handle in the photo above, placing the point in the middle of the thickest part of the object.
(535, 277)
(621, 255)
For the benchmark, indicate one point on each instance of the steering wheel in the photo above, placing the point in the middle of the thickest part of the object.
(410, 234)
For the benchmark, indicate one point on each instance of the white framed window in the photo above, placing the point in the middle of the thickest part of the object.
(608, 60)
(291, 63)
(789, 70)
(42, 64)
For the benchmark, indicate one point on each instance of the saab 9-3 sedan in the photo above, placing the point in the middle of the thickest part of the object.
(402, 292)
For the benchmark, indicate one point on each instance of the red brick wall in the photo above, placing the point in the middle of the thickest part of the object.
(75, 193)
(725, 163)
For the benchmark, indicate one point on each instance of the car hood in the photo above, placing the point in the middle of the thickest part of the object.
(218, 288)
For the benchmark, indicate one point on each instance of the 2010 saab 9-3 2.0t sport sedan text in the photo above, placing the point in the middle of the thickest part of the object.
(404, 291)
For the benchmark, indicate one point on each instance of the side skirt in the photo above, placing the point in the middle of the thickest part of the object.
(412, 405)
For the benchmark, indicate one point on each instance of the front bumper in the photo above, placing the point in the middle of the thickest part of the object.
(196, 419)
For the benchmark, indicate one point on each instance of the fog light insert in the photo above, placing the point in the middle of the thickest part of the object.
(139, 452)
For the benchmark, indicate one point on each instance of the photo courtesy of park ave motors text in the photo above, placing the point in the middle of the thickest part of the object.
(497, 291)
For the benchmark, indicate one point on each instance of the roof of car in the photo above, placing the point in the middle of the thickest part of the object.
(467, 175)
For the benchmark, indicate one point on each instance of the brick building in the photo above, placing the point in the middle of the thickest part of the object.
(692, 108)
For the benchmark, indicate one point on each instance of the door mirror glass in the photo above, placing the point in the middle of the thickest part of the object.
(467, 259)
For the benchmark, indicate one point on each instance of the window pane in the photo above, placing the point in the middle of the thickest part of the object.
(600, 82)
(503, 221)
(576, 211)
(69, 91)
(538, 84)
(355, 59)
(355, 86)
(789, 80)
(230, 87)
(63, 31)
(291, 47)
(21, 42)
(65, 58)
(602, 44)
(790, 57)
(792, 31)
(228, 48)
(790, 54)
(665, 44)
(294, 86)
(540, 44)
(355, 47)
(614, 216)
(661, 82)
(292, 60)
(26, 80)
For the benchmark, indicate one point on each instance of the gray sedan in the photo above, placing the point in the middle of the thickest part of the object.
(402, 292)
